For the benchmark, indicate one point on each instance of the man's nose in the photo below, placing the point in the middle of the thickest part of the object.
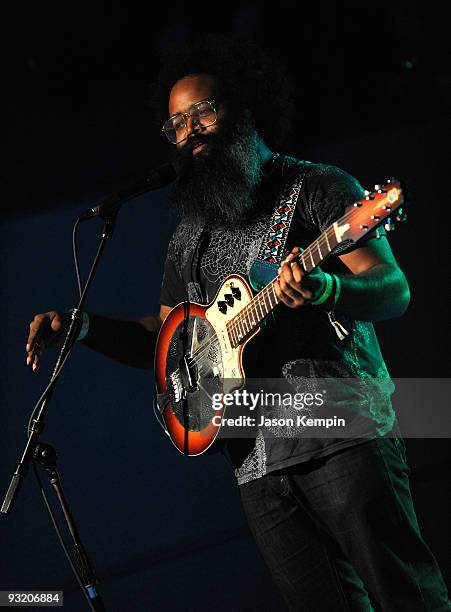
(192, 125)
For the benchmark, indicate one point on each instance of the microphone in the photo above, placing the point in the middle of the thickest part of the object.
(157, 178)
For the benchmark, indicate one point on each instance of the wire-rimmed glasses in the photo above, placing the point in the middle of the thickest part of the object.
(202, 113)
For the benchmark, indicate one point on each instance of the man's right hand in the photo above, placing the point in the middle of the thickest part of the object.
(128, 342)
(45, 330)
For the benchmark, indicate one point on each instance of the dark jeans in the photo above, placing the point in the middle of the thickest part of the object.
(340, 533)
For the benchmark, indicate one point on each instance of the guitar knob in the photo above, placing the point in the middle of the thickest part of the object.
(236, 293)
(222, 307)
(229, 299)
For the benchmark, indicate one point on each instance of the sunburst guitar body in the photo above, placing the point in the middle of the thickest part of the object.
(196, 357)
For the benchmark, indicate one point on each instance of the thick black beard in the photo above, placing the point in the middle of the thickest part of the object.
(218, 186)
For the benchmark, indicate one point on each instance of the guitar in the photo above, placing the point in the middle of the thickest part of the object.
(199, 347)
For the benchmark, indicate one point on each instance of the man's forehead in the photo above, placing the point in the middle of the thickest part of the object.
(190, 89)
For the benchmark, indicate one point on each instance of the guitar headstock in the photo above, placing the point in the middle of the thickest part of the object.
(378, 207)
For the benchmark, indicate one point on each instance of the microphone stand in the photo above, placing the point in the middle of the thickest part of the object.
(32, 447)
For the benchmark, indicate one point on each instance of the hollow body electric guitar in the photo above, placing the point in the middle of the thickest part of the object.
(199, 347)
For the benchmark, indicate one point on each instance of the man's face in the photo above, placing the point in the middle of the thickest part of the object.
(184, 94)
(218, 166)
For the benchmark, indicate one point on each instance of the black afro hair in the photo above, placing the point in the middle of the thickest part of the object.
(247, 76)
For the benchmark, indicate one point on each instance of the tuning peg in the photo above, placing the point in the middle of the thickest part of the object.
(379, 189)
(389, 225)
(401, 215)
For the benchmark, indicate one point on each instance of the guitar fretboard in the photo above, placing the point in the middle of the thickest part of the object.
(266, 300)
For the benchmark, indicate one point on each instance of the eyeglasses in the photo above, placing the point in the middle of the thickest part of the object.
(202, 113)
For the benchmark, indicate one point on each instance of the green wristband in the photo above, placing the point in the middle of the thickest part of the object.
(327, 291)
(337, 289)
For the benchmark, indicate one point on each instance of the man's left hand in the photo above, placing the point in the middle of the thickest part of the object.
(294, 287)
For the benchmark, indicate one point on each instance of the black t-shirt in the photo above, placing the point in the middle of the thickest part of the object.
(294, 343)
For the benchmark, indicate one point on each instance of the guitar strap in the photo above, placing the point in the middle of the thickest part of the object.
(272, 248)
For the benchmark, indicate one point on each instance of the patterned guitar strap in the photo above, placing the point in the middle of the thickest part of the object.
(272, 249)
